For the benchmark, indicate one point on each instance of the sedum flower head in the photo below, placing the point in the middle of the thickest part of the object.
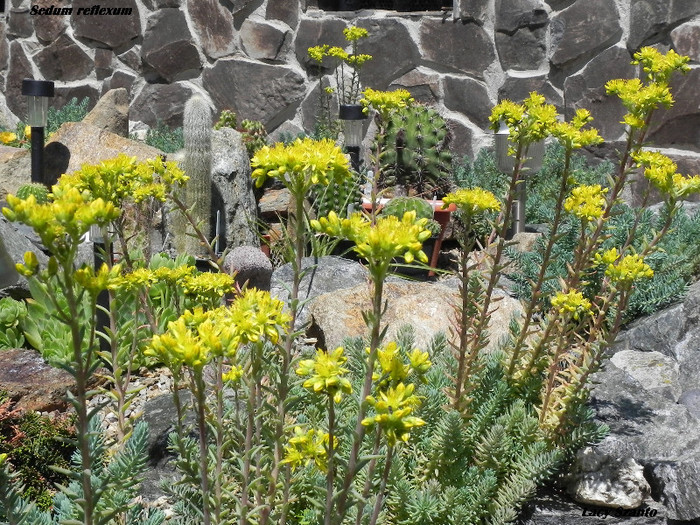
(572, 302)
(586, 202)
(207, 287)
(7, 137)
(661, 172)
(301, 164)
(257, 314)
(391, 364)
(528, 122)
(384, 102)
(317, 53)
(572, 135)
(659, 67)
(473, 200)
(625, 270)
(393, 409)
(388, 238)
(307, 446)
(326, 373)
(354, 33)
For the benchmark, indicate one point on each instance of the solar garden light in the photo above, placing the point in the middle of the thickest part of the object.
(533, 156)
(353, 119)
(37, 93)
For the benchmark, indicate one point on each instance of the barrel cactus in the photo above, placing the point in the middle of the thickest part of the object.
(40, 192)
(414, 151)
(336, 197)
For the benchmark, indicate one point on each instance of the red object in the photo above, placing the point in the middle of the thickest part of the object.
(441, 216)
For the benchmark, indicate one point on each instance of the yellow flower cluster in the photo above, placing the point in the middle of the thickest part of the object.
(144, 278)
(626, 270)
(354, 33)
(7, 137)
(392, 367)
(326, 373)
(472, 200)
(305, 447)
(125, 178)
(301, 164)
(317, 53)
(659, 67)
(393, 409)
(61, 222)
(528, 122)
(197, 336)
(572, 136)
(586, 202)
(388, 238)
(571, 302)
(95, 282)
(384, 102)
(661, 172)
(207, 287)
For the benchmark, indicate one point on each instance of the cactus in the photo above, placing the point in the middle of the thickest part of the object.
(227, 119)
(40, 192)
(414, 151)
(197, 127)
(400, 205)
(254, 135)
(336, 197)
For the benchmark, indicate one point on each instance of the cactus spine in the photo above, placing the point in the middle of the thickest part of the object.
(40, 192)
(415, 151)
(336, 196)
(197, 128)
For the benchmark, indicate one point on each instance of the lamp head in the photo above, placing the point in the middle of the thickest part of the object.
(37, 93)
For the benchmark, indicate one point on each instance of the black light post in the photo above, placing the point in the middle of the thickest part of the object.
(37, 93)
(353, 119)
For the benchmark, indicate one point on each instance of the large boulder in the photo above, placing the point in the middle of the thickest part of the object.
(111, 113)
(160, 102)
(277, 89)
(650, 20)
(15, 169)
(264, 40)
(679, 127)
(233, 188)
(31, 382)
(115, 31)
(427, 307)
(168, 46)
(213, 23)
(469, 97)
(686, 40)
(48, 28)
(64, 60)
(17, 242)
(584, 29)
(250, 265)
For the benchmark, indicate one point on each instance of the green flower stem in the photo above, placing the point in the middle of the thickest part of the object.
(213, 259)
(382, 486)
(251, 383)
(561, 348)
(331, 466)
(378, 274)
(199, 390)
(533, 305)
(219, 426)
(368, 482)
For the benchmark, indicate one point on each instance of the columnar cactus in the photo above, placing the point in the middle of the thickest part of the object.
(414, 150)
(197, 128)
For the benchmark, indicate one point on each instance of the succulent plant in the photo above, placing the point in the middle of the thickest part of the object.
(254, 135)
(227, 119)
(336, 197)
(414, 151)
(40, 192)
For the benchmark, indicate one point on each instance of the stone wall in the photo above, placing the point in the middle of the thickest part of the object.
(250, 55)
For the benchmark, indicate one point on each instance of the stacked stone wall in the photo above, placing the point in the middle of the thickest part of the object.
(250, 56)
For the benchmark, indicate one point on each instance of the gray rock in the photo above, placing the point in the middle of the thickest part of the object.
(103, 63)
(115, 31)
(524, 50)
(131, 58)
(233, 188)
(324, 275)
(15, 169)
(475, 11)
(686, 40)
(518, 88)
(264, 40)
(32, 382)
(287, 12)
(650, 20)
(422, 83)
(251, 265)
(597, 479)
(586, 89)
(19, 67)
(111, 112)
(19, 22)
(469, 97)
(48, 28)
(584, 29)
(164, 102)
(462, 142)
(316, 31)
(680, 126)
(512, 15)
(691, 400)
(4, 47)
(677, 485)
(653, 370)
(213, 23)
(384, 68)
(168, 46)
(120, 79)
(437, 41)
(16, 245)
(277, 88)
